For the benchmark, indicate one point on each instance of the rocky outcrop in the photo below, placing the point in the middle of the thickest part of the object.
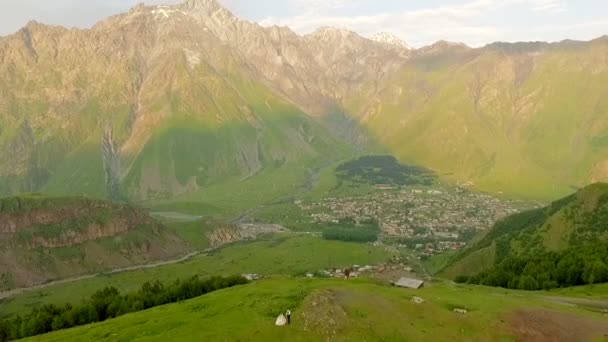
(25, 214)
(44, 239)
(223, 234)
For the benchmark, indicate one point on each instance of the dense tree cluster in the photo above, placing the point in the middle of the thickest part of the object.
(590, 224)
(383, 170)
(351, 231)
(574, 266)
(109, 303)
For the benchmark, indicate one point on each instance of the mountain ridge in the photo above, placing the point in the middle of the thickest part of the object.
(139, 72)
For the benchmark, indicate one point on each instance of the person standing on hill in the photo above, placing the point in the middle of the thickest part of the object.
(288, 314)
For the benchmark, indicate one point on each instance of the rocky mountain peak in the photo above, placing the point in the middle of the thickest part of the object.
(328, 33)
(390, 39)
(444, 44)
(208, 7)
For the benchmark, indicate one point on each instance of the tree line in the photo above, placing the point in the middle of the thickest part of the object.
(581, 265)
(110, 303)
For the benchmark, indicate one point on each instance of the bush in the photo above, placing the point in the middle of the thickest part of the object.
(461, 279)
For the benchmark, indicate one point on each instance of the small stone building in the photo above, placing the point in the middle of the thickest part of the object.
(409, 283)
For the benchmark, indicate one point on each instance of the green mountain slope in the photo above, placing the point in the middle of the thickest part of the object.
(44, 239)
(569, 233)
(143, 108)
(523, 119)
(111, 106)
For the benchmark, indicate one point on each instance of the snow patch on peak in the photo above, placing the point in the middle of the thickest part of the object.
(390, 39)
(164, 12)
(205, 6)
(192, 57)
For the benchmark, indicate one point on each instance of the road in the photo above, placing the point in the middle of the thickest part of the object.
(175, 216)
(11, 293)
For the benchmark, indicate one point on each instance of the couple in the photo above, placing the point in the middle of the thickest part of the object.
(284, 319)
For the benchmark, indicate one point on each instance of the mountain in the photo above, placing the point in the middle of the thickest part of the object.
(390, 39)
(190, 102)
(44, 238)
(525, 119)
(148, 104)
(568, 238)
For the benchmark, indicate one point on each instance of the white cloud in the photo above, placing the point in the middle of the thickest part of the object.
(321, 6)
(460, 22)
(474, 22)
(554, 6)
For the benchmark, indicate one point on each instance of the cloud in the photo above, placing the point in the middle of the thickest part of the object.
(466, 21)
(474, 22)
(553, 6)
(321, 6)
(79, 13)
(418, 27)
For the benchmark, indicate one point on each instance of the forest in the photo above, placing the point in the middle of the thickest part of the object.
(383, 170)
(109, 303)
(350, 231)
(581, 265)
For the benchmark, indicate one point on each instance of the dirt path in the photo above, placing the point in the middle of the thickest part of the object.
(176, 216)
(549, 326)
(597, 305)
(11, 293)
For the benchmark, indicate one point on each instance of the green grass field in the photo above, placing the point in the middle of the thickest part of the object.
(337, 310)
(283, 254)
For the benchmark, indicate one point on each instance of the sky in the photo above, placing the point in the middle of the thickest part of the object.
(416, 22)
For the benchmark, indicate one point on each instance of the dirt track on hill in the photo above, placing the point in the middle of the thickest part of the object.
(596, 305)
(550, 326)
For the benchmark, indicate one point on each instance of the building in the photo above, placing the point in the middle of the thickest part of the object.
(409, 283)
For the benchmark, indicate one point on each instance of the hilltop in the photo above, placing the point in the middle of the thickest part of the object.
(349, 310)
(567, 240)
(47, 238)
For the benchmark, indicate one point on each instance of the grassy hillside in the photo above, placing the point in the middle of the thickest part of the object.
(47, 238)
(154, 123)
(555, 236)
(283, 254)
(349, 310)
(524, 120)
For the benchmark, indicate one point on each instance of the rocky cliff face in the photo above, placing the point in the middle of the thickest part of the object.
(72, 224)
(314, 71)
(223, 234)
(50, 238)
